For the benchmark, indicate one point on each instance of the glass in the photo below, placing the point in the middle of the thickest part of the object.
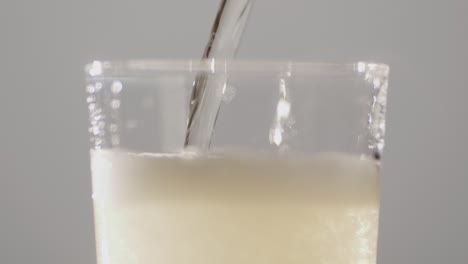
(291, 174)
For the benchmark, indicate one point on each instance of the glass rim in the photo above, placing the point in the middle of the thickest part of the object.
(147, 67)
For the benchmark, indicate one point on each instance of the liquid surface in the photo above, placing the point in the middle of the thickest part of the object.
(184, 209)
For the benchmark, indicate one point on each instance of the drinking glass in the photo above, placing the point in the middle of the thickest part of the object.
(290, 173)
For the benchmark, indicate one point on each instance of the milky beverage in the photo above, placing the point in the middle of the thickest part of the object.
(244, 208)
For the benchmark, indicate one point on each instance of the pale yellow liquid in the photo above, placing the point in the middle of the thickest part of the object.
(184, 209)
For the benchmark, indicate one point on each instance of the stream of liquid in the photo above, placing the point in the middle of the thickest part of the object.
(208, 89)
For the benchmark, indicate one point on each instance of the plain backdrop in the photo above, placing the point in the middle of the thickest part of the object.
(45, 201)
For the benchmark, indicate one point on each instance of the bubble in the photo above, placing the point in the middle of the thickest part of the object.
(117, 87)
(276, 136)
(96, 131)
(98, 86)
(283, 108)
(95, 69)
(382, 126)
(90, 88)
(361, 67)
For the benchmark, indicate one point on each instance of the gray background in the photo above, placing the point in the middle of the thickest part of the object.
(45, 203)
